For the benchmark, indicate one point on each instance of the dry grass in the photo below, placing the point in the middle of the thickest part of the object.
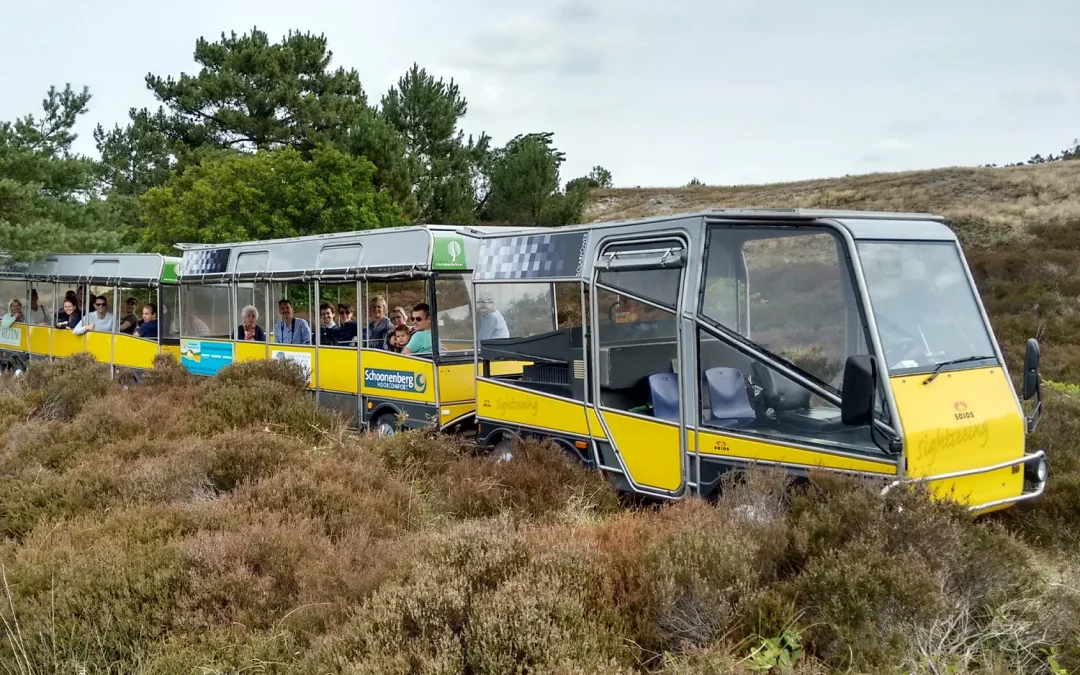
(229, 526)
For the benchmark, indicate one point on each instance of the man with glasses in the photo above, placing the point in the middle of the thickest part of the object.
(291, 330)
(420, 342)
(100, 320)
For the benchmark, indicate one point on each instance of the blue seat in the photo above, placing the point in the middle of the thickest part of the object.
(664, 390)
(727, 398)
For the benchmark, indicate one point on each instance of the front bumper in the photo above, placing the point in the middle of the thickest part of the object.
(1028, 459)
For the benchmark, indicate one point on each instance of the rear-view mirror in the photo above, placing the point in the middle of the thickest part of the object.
(1031, 369)
(860, 385)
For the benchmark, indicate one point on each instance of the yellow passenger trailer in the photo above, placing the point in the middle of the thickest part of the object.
(666, 351)
(371, 384)
(41, 287)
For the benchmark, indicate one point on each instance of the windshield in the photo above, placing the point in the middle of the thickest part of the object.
(924, 306)
(513, 310)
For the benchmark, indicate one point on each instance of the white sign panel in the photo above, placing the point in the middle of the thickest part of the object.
(303, 358)
(11, 337)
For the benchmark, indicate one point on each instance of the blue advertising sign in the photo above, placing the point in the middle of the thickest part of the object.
(205, 358)
(395, 380)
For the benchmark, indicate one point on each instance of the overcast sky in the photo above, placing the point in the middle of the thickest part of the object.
(657, 91)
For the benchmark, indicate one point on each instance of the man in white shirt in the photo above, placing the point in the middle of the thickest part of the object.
(100, 320)
(38, 313)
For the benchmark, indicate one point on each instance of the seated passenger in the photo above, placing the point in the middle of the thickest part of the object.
(62, 315)
(397, 339)
(130, 321)
(39, 313)
(347, 331)
(379, 327)
(492, 324)
(328, 330)
(249, 328)
(291, 330)
(71, 316)
(148, 328)
(15, 313)
(398, 317)
(100, 320)
(420, 342)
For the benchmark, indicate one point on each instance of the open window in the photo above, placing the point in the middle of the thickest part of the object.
(399, 298)
(336, 323)
(453, 322)
(207, 312)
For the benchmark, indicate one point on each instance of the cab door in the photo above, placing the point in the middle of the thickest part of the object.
(637, 356)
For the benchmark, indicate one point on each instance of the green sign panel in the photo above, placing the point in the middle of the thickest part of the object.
(449, 254)
(168, 272)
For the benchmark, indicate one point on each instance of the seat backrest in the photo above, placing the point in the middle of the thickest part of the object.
(780, 393)
(727, 395)
(664, 390)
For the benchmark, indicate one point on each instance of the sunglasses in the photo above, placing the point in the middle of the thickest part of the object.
(99, 304)
(417, 317)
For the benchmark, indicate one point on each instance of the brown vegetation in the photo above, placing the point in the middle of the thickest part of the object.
(228, 525)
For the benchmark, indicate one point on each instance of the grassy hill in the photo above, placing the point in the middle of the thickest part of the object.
(227, 525)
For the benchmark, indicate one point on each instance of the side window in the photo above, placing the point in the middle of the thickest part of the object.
(740, 392)
(399, 297)
(336, 322)
(253, 294)
(788, 291)
(453, 316)
(206, 312)
(168, 305)
(638, 367)
(41, 308)
(129, 309)
(13, 293)
(300, 296)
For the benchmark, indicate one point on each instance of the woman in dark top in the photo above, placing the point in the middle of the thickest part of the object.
(380, 326)
(249, 329)
(70, 317)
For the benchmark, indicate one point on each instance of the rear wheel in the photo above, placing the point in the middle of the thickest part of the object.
(503, 450)
(385, 424)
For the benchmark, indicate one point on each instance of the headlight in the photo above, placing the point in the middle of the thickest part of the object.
(1038, 470)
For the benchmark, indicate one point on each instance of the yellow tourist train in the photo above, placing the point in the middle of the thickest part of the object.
(662, 352)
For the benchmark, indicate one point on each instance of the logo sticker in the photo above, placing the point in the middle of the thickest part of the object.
(395, 380)
(449, 254)
(962, 412)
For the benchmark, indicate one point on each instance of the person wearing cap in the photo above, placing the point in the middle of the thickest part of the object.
(130, 321)
(492, 324)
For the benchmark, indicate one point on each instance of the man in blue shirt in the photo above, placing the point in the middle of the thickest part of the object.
(291, 330)
(420, 342)
(492, 324)
(148, 328)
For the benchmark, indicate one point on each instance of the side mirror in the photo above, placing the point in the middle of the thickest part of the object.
(1031, 369)
(860, 386)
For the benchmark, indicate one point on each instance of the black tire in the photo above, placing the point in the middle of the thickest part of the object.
(503, 450)
(385, 424)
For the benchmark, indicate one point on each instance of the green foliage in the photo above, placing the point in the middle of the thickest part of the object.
(48, 201)
(445, 167)
(250, 94)
(524, 182)
(599, 177)
(779, 652)
(269, 194)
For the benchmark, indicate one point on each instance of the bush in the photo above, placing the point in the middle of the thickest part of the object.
(59, 389)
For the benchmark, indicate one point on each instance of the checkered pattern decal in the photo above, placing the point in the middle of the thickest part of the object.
(536, 256)
(209, 261)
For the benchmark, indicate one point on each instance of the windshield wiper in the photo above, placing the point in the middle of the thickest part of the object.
(941, 365)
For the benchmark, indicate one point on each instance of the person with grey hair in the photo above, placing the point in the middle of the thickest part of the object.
(249, 328)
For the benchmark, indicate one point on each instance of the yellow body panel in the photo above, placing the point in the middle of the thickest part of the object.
(337, 369)
(293, 349)
(173, 350)
(397, 377)
(133, 352)
(66, 343)
(18, 333)
(100, 346)
(594, 424)
(503, 367)
(246, 350)
(40, 338)
(455, 411)
(531, 409)
(713, 444)
(649, 449)
(962, 420)
(457, 383)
